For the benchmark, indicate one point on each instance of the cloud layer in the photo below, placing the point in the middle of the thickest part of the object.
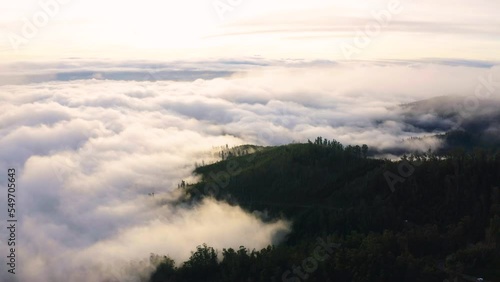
(90, 151)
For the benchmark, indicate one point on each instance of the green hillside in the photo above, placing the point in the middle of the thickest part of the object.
(423, 218)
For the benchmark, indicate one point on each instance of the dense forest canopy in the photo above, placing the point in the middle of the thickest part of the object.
(426, 217)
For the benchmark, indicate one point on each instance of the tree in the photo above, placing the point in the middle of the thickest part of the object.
(357, 151)
(364, 149)
(165, 268)
(201, 266)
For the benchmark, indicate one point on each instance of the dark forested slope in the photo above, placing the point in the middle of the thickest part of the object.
(423, 218)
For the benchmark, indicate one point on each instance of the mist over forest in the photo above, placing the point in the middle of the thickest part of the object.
(91, 152)
(233, 140)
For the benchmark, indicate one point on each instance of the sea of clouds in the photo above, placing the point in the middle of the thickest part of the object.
(92, 140)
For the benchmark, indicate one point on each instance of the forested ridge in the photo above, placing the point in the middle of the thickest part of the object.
(425, 217)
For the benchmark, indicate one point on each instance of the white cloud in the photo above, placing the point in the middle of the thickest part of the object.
(90, 151)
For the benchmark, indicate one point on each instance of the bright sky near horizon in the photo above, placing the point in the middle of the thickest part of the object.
(314, 29)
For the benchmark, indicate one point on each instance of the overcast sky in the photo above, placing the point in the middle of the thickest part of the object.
(158, 29)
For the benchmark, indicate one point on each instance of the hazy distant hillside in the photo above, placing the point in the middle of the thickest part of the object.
(449, 112)
(445, 123)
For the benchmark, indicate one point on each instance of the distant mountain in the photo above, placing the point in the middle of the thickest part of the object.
(452, 121)
(446, 113)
